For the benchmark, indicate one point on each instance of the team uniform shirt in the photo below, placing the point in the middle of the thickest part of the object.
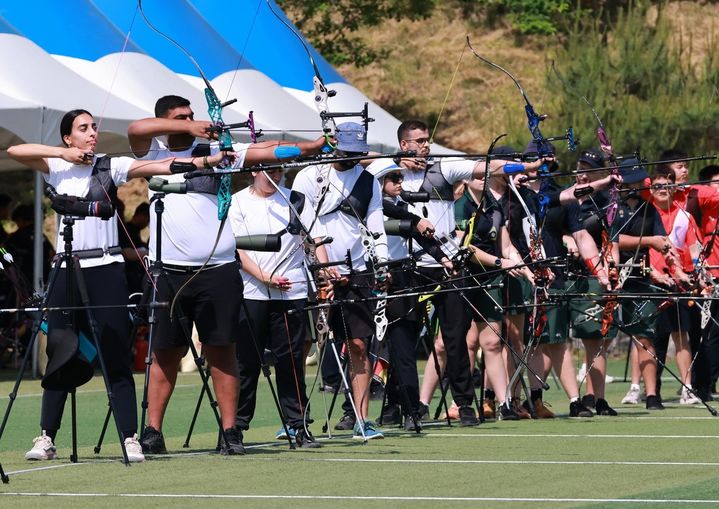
(190, 224)
(343, 228)
(91, 232)
(641, 220)
(397, 246)
(438, 211)
(251, 214)
(484, 232)
(682, 232)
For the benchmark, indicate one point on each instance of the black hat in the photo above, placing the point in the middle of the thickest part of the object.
(632, 171)
(593, 157)
(532, 148)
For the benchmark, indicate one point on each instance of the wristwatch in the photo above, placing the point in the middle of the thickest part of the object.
(498, 262)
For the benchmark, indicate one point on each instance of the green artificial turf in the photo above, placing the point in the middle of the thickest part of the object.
(518, 464)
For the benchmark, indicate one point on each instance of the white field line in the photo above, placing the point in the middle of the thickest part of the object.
(367, 498)
(556, 435)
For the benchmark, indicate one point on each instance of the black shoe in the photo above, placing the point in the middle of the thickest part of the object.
(588, 401)
(346, 423)
(409, 424)
(152, 441)
(423, 412)
(305, 440)
(391, 416)
(603, 408)
(579, 409)
(467, 416)
(507, 413)
(654, 403)
(233, 445)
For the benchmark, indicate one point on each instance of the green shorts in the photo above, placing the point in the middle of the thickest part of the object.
(639, 316)
(517, 295)
(487, 301)
(586, 313)
(557, 328)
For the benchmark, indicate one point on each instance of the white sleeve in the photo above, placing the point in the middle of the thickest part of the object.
(240, 153)
(456, 170)
(119, 166)
(54, 166)
(375, 221)
(235, 215)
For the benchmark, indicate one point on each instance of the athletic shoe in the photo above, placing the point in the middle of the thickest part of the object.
(520, 411)
(589, 401)
(423, 412)
(654, 403)
(409, 423)
(134, 450)
(633, 396)
(346, 423)
(234, 442)
(42, 449)
(603, 408)
(490, 408)
(152, 441)
(370, 432)
(304, 439)
(507, 413)
(608, 379)
(578, 409)
(688, 398)
(282, 435)
(391, 416)
(467, 416)
(540, 409)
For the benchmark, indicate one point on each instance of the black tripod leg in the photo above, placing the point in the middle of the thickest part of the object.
(73, 420)
(194, 419)
(103, 430)
(442, 387)
(480, 401)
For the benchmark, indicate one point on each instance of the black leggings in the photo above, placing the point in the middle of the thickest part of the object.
(106, 285)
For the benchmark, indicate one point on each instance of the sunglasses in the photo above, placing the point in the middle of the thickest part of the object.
(395, 178)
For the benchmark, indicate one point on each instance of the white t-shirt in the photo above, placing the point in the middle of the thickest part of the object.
(91, 232)
(251, 214)
(343, 228)
(397, 247)
(189, 223)
(439, 212)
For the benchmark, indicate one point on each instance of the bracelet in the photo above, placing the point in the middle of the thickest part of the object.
(205, 164)
(591, 266)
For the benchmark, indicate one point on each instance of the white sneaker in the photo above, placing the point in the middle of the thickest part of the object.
(608, 379)
(134, 450)
(42, 449)
(688, 398)
(633, 396)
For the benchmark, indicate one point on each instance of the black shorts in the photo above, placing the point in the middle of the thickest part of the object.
(353, 320)
(211, 302)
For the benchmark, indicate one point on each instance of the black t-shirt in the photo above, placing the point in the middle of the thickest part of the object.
(485, 230)
(589, 215)
(637, 218)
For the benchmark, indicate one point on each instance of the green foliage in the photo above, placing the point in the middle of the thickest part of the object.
(335, 27)
(645, 85)
(526, 17)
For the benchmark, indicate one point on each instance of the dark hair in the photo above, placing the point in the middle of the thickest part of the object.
(169, 102)
(23, 212)
(409, 125)
(67, 120)
(142, 208)
(708, 172)
(665, 173)
(672, 154)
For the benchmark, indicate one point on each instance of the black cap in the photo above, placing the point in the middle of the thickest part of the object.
(592, 157)
(632, 171)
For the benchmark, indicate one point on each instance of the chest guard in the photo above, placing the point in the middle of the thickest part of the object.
(207, 184)
(436, 185)
(101, 183)
(357, 203)
(294, 227)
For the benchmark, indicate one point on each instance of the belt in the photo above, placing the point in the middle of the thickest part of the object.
(188, 269)
(86, 254)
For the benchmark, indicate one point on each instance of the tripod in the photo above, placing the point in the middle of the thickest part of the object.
(74, 284)
(157, 271)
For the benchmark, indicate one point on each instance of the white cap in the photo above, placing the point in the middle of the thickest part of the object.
(381, 167)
